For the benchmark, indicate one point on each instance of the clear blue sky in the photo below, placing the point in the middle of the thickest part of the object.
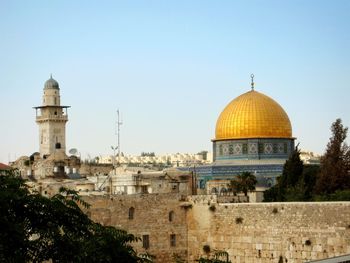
(170, 67)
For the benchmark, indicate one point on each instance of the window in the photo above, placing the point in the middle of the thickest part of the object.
(172, 240)
(171, 216)
(144, 189)
(230, 149)
(245, 148)
(145, 241)
(221, 152)
(275, 148)
(131, 213)
(223, 191)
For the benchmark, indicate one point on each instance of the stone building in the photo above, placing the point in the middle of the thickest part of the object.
(124, 181)
(51, 160)
(4, 169)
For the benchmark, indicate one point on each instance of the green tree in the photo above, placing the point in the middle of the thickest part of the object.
(217, 256)
(290, 185)
(335, 163)
(243, 182)
(273, 194)
(292, 170)
(309, 180)
(35, 228)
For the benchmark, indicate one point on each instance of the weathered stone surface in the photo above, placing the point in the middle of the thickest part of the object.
(296, 232)
(151, 217)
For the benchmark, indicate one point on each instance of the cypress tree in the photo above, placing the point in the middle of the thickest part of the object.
(292, 170)
(335, 164)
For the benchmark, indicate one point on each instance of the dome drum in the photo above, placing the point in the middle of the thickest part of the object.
(253, 149)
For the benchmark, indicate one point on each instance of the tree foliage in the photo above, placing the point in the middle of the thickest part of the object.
(296, 182)
(243, 182)
(329, 181)
(335, 164)
(292, 170)
(217, 256)
(35, 228)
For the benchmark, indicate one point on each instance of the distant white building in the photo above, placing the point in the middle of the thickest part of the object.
(310, 157)
(174, 160)
(124, 181)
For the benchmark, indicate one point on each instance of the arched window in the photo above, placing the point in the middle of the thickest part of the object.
(223, 191)
(171, 216)
(131, 213)
(214, 190)
(221, 151)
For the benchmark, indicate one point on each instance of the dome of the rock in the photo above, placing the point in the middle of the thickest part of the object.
(253, 115)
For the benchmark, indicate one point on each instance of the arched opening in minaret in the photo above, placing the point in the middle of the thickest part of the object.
(58, 145)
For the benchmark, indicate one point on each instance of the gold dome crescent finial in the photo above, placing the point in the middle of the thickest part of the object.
(252, 83)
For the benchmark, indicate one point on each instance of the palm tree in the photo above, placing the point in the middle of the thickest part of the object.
(243, 182)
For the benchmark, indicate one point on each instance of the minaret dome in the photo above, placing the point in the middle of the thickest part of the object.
(51, 96)
(51, 84)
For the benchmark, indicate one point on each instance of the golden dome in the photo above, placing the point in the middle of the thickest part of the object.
(253, 115)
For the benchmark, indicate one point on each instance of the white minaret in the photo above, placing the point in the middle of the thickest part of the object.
(51, 118)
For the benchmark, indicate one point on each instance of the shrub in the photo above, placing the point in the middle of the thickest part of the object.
(206, 249)
(239, 220)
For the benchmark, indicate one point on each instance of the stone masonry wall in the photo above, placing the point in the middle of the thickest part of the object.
(269, 232)
(249, 232)
(151, 217)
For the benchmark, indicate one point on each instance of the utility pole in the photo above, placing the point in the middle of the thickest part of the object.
(119, 123)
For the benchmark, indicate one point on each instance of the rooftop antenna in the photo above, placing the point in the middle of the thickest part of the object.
(119, 123)
(252, 83)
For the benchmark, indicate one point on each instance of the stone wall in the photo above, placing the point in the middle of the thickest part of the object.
(263, 232)
(94, 169)
(151, 217)
(269, 232)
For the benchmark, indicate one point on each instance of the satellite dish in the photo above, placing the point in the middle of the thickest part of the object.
(73, 151)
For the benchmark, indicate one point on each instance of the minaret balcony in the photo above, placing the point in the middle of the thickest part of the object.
(52, 118)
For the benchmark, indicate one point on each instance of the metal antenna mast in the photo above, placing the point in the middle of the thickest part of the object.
(119, 122)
